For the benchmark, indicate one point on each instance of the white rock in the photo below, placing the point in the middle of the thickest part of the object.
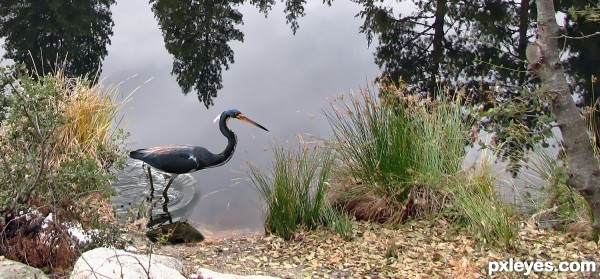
(16, 270)
(204, 273)
(114, 263)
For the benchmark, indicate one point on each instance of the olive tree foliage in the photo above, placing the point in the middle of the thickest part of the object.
(590, 12)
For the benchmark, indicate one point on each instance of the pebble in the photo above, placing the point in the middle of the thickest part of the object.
(131, 249)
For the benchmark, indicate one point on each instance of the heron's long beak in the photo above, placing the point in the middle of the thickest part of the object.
(249, 121)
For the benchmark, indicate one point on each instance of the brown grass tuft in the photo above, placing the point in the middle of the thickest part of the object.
(580, 228)
(368, 207)
(50, 248)
(366, 204)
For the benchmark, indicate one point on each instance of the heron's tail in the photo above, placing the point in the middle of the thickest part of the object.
(138, 154)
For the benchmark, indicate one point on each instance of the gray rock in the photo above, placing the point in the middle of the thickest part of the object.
(114, 263)
(16, 270)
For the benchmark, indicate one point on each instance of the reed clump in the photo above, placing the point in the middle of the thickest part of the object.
(401, 157)
(295, 191)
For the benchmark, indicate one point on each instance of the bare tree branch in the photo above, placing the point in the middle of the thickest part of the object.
(579, 37)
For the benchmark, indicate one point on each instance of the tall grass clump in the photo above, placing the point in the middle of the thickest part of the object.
(58, 145)
(377, 155)
(372, 140)
(295, 192)
(439, 130)
(394, 149)
(401, 157)
(90, 121)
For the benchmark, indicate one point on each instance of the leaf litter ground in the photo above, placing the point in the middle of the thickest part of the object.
(420, 249)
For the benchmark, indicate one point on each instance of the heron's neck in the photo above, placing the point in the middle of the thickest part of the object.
(224, 156)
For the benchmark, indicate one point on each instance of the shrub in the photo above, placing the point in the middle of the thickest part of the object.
(57, 145)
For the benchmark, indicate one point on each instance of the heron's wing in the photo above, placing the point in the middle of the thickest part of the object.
(171, 158)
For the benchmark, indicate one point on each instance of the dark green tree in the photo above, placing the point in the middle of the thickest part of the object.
(46, 35)
(459, 43)
(584, 59)
(197, 33)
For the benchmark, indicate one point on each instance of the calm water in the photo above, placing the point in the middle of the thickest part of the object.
(278, 79)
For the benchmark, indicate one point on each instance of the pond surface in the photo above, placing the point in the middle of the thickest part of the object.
(278, 79)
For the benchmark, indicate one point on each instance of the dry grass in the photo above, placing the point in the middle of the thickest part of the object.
(50, 250)
(366, 203)
(89, 112)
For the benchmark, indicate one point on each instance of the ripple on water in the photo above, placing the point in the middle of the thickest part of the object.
(133, 189)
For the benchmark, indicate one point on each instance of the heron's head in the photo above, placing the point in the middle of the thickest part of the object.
(234, 113)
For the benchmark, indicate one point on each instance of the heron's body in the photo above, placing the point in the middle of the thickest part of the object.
(179, 159)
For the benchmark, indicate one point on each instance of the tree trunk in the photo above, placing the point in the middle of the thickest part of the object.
(437, 51)
(582, 166)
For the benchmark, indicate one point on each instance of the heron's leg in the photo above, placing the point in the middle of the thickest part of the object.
(173, 176)
(151, 182)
